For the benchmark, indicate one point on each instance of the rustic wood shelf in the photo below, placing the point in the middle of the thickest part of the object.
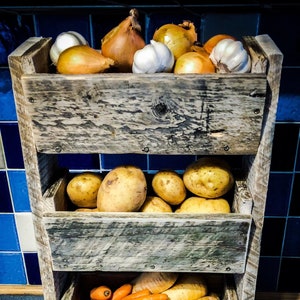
(173, 115)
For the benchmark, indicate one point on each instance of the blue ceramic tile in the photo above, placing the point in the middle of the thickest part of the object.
(7, 103)
(32, 268)
(19, 191)
(79, 161)
(110, 161)
(288, 109)
(284, 147)
(288, 279)
(61, 22)
(298, 156)
(267, 274)
(295, 202)
(14, 29)
(8, 233)
(175, 162)
(278, 196)
(278, 25)
(12, 145)
(292, 238)
(271, 243)
(5, 200)
(237, 25)
(12, 269)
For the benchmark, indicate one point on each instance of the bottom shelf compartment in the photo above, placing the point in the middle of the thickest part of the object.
(81, 283)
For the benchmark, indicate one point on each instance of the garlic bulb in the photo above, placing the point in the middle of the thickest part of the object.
(229, 56)
(64, 41)
(153, 58)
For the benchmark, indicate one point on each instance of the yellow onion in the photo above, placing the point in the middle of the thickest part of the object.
(179, 38)
(194, 62)
(121, 43)
(82, 59)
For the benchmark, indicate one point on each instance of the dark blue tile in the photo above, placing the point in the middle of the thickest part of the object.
(79, 161)
(271, 243)
(278, 196)
(284, 29)
(5, 200)
(12, 145)
(32, 268)
(237, 25)
(61, 22)
(289, 96)
(110, 161)
(267, 274)
(298, 156)
(284, 147)
(14, 29)
(19, 191)
(288, 281)
(12, 269)
(295, 202)
(8, 235)
(175, 162)
(292, 238)
(7, 102)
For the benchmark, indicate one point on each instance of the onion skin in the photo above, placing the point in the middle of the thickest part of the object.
(82, 59)
(194, 63)
(123, 41)
(179, 38)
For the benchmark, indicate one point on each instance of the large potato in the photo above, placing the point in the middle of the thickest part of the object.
(83, 188)
(204, 206)
(169, 186)
(123, 189)
(208, 177)
(154, 204)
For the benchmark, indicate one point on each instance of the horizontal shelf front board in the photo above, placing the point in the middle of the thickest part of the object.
(148, 242)
(146, 113)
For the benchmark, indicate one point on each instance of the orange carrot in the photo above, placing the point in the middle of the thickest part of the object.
(122, 291)
(155, 296)
(101, 292)
(135, 295)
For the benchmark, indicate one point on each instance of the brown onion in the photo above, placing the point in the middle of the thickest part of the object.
(179, 38)
(193, 63)
(82, 59)
(123, 41)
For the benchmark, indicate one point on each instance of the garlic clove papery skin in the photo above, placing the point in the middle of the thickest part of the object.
(64, 41)
(229, 56)
(165, 55)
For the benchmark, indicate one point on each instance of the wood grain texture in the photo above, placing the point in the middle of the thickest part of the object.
(136, 242)
(259, 168)
(161, 114)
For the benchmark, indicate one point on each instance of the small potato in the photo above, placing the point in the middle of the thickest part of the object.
(204, 206)
(82, 189)
(208, 177)
(155, 204)
(124, 189)
(169, 186)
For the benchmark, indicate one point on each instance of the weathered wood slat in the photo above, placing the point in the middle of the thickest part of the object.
(161, 114)
(139, 242)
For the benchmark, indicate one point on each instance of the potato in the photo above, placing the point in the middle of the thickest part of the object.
(82, 189)
(169, 186)
(204, 206)
(155, 204)
(208, 177)
(123, 189)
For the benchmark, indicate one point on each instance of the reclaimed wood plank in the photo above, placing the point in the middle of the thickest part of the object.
(140, 242)
(161, 114)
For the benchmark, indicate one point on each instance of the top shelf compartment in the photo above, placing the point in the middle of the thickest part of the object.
(144, 113)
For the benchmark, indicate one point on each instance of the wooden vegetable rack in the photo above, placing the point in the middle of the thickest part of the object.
(213, 114)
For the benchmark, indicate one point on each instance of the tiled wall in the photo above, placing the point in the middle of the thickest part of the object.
(280, 256)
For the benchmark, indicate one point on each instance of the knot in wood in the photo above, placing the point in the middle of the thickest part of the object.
(160, 109)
